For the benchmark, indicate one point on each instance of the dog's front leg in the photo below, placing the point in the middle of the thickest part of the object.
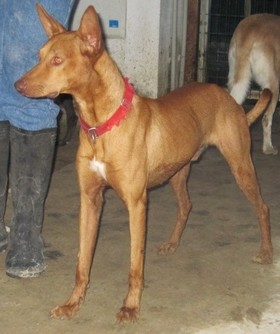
(137, 224)
(91, 203)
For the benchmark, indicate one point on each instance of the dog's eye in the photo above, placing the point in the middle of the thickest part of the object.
(56, 61)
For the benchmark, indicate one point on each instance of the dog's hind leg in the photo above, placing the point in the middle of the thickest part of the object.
(244, 172)
(266, 76)
(267, 118)
(179, 185)
(239, 75)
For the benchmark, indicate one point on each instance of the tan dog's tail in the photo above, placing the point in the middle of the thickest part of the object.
(260, 106)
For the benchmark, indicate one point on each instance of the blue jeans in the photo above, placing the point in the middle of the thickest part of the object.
(21, 36)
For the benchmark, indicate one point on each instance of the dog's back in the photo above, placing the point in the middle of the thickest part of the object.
(254, 55)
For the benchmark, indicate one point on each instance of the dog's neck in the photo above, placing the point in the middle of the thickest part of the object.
(104, 93)
(120, 114)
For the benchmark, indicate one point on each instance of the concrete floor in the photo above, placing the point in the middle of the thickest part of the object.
(208, 286)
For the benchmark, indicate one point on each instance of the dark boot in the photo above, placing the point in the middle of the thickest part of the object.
(4, 159)
(31, 165)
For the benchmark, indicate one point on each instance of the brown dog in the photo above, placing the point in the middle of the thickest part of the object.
(135, 143)
(254, 55)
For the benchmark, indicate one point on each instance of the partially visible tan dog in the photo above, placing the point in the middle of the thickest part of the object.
(254, 54)
(142, 144)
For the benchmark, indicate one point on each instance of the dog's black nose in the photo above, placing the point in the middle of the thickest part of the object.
(21, 86)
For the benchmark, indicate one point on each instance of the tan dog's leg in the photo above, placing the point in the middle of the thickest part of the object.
(179, 185)
(91, 204)
(267, 119)
(137, 224)
(243, 170)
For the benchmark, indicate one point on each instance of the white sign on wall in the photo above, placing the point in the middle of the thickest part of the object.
(112, 14)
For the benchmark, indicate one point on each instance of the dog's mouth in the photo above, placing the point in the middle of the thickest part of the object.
(33, 91)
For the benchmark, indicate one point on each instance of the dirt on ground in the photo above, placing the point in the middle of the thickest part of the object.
(210, 285)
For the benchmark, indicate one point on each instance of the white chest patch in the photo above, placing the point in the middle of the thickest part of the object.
(98, 167)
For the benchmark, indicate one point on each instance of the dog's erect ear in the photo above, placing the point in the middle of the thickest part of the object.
(90, 30)
(50, 25)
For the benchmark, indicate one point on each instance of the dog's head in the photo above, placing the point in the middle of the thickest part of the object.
(65, 57)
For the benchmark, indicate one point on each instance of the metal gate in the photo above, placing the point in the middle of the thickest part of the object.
(218, 19)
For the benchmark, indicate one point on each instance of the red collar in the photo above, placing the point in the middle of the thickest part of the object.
(120, 113)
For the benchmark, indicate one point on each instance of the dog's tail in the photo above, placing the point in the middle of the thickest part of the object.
(260, 106)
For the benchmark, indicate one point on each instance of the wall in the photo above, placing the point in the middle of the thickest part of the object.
(137, 54)
(144, 53)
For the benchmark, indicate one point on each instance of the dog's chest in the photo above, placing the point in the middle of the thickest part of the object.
(98, 167)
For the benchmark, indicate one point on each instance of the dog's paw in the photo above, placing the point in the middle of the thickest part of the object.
(168, 248)
(126, 314)
(270, 150)
(264, 257)
(64, 311)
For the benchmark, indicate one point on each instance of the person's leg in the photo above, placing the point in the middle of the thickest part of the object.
(30, 171)
(4, 159)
